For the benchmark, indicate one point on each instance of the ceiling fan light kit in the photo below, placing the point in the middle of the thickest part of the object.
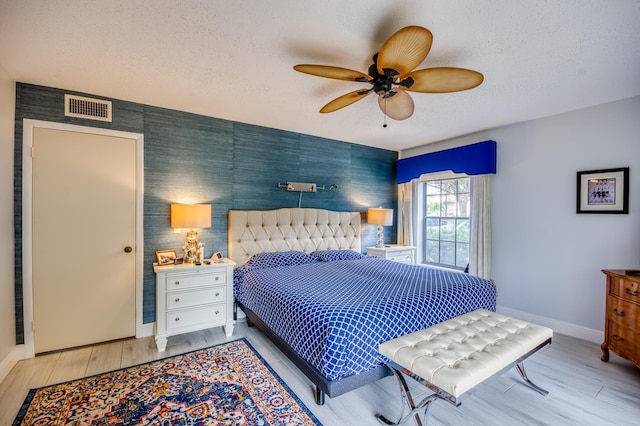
(392, 75)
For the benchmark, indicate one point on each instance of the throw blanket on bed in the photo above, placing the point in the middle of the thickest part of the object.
(335, 313)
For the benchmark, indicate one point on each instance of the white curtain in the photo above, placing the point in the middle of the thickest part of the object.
(480, 244)
(409, 223)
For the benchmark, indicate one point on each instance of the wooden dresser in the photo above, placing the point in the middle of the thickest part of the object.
(622, 320)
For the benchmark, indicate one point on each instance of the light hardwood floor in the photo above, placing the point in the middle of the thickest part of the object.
(583, 389)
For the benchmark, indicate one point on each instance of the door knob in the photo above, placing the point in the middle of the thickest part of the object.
(128, 249)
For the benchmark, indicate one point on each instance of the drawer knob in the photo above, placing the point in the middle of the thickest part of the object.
(217, 312)
(217, 294)
(617, 338)
(177, 282)
(631, 293)
(216, 278)
(618, 313)
(177, 299)
(177, 319)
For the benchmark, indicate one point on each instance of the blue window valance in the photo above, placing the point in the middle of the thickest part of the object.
(476, 159)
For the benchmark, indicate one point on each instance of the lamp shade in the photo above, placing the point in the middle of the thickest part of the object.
(380, 216)
(191, 216)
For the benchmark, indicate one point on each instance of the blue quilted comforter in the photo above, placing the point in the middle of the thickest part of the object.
(335, 313)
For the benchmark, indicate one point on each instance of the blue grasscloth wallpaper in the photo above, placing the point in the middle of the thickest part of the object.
(196, 159)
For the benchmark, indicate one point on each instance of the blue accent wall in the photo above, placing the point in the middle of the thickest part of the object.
(230, 165)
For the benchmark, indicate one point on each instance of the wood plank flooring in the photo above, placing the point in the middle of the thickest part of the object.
(583, 390)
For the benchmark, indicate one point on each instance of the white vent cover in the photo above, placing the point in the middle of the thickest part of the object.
(92, 109)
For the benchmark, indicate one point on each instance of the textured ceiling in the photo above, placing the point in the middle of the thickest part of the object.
(233, 59)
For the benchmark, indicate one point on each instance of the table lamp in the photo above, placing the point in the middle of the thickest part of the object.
(191, 216)
(381, 217)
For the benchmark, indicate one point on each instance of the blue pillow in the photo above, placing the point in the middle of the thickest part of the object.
(329, 255)
(283, 258)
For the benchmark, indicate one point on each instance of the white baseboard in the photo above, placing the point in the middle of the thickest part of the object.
(8, 362)
(561, 327)
(147, 330)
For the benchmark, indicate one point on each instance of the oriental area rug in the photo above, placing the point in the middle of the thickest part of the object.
(227, 384)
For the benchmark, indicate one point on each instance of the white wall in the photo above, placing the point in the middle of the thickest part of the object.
(546, 258)
(8, 354)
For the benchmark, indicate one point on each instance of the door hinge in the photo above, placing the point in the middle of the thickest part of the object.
(33, 151)
(33, 326)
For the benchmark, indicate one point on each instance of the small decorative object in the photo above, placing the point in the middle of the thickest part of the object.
(191, 216)
(603, 191)
(166, 257)
(381, 217)
(216, 257)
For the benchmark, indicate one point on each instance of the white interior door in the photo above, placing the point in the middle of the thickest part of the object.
(84, 222)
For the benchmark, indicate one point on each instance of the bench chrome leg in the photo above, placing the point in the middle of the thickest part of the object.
(520, 368)
(405, 395)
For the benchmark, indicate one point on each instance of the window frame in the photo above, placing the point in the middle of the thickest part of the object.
(425, 180)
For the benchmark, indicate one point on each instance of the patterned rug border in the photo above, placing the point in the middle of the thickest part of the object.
(33, 391)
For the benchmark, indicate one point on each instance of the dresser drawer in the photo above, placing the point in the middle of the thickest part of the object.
(626, 289)
(186, 318)
(180, 281)
(624, 341)
(404, 256)
(183, 299)
(623, 313)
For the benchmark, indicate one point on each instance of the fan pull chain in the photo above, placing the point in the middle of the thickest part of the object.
(384, 112)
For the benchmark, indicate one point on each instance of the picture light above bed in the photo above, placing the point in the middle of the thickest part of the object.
(304, 186)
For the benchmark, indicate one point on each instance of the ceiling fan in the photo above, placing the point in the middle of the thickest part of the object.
(391, 75)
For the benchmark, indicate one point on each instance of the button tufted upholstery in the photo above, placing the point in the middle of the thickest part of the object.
(458, 354)
(307, 230)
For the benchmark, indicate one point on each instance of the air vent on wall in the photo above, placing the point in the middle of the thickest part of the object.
(92, 109)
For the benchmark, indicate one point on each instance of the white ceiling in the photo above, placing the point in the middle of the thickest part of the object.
(233, 59)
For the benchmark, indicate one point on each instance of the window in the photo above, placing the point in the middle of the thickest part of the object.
(447, 222)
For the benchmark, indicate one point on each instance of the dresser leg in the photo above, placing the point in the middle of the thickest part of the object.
(161, 343)
(605, 351)
(228, 329)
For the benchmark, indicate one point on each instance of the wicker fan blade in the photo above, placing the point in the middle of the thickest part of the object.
(345, 100)
(332, 72)
(398, 106)
(405, 50)
(444, 80)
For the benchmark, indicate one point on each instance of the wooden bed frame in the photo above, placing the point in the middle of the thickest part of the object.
(257, 231)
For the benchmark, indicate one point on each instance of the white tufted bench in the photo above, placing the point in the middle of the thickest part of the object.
(452, 357)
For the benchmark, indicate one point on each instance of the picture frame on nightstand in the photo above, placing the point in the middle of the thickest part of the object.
(166, 257)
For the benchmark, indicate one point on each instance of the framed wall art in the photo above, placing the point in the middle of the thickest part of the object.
(603, 191)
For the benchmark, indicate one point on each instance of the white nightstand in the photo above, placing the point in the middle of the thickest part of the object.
(190, 298)
(397, 253)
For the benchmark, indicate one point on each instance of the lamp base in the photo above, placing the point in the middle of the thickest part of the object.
(380, 240)
(192, 248)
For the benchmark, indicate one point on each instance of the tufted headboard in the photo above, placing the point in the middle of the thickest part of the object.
(257, 231)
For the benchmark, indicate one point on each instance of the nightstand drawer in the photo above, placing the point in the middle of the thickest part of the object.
(186, 318)
(180, 281)
(395, 253)
(185, 299)
(404, 256)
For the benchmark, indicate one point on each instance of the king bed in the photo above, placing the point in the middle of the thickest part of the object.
(301, 278)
